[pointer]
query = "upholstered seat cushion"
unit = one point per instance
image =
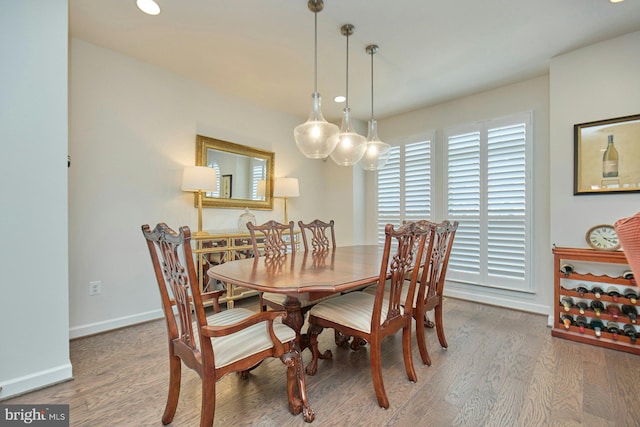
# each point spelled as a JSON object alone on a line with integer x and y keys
{"x": 353, "y": 310}
{"x": 246, "y": 342}
{"x": 279, "y": 299}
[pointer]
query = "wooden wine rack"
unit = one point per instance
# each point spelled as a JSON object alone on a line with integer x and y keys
{"x": 566, "y": 255}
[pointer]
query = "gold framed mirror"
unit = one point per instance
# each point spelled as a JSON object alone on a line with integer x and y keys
{"x": 244, "y": 174}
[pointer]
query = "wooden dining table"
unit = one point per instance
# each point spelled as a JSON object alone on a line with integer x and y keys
{"x": 305, "y": 274}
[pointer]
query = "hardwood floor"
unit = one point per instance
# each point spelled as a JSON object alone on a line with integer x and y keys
{"x": 502, "y": 368}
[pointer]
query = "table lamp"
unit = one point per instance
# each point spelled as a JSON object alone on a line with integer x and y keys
{"x": 284, "y": 188}
{"x": 199, "y": 179}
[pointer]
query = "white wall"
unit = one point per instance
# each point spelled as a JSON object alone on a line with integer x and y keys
{"x": 531, "y": 95}
{"x": 34, "y": 306}
{"x": 133, "y": 128}
{"x": 598, "y": 82}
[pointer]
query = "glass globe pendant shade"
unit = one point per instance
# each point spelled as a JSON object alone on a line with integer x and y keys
{"x": 377, "y": 153}
{"x": 350, "y": 145}
{"x": 316, "y": 137}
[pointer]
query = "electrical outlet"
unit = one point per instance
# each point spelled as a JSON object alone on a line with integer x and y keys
{"x": 95, "y": 288}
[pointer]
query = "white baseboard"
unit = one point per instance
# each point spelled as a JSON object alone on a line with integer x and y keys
{"x": 37, "y": 380}
{"x": 108, "y": 325}
{"x": 498, "y": 300}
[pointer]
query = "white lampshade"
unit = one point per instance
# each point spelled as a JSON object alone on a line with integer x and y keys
{"x": 199, "y": 178}
{"x": 286, "y": 187}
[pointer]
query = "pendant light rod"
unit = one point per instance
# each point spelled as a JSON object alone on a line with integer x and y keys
{"x": 347, "y": 30}
{"x": 315, "y": 6}
{"x": 371, "y": 50}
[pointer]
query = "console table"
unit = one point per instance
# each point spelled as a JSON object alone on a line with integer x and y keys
{"x": 219, "y": 246}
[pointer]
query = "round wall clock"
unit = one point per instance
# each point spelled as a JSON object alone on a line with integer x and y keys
{"x": 603, "y": 237}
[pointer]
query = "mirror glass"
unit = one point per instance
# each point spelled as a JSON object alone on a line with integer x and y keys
{"x": 244, "y": 174}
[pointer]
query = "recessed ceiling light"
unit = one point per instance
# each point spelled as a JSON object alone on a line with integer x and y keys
{"x": 149, "y": 7}
{"x": 339, "y": 98}
{"x": 616, "y": 1}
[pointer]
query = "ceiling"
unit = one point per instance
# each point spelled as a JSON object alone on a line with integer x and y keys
{"x": 430, "y": 51}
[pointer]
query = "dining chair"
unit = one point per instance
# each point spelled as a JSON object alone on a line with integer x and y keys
{"x": 233, "y": 340}
{"x": 429, "y": 295}
{"x": 275, "y": 245}
{"x": 430, "y": 287}
{"x": 372, "y": 318}
{"x": 318, "y": 235}
{"x": 274, "y": 242}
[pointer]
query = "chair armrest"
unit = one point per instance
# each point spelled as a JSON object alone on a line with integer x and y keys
{"x": 213, "y": 294}
{"x": 220, "y": 331}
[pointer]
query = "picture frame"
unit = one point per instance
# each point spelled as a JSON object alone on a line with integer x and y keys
{"x": 607, "y": 156}
{"x": 226, "y": 188}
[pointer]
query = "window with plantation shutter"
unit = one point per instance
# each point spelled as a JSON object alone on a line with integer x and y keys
{"x": 488, "y": 193}
{"x": 404, "y": 186}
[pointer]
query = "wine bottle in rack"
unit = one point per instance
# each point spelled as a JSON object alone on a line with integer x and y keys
{"x": 582, "y": 289}
{"x": 630, "y": 311}
{"x": 582, "y": 306}
{"x": 581, "y": 322}
{"x": 567, "y": 320}
{"x": 630, "y": 331}
{"x": 614, "y": 293}
{"x": 566, "y": 269}
{"x": 614, "y": 329}
{"x": 597, "y": 307}
{"x": 613, "y": 310}
{"x": 628, "y": 274}
{"x": 567, "y": 303}
{"x": 597, "y": 326}
{"x": 631, "y": 294}
{"x": 597, "y": 291}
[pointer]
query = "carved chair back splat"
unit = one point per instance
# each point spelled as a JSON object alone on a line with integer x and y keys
{"x": 318, "y": 231}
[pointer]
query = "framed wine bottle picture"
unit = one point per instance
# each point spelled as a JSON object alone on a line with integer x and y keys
{"x": 607, "y": 156}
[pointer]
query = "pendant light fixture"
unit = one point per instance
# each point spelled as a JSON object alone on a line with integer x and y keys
{"x": 314, "y": 137}
{"x": 377, "y": 152}
{"x": 350, "y": 146}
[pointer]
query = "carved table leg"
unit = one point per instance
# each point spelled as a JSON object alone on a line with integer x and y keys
{"x": 294, "y": 320}
{"x": 312, "y": 333}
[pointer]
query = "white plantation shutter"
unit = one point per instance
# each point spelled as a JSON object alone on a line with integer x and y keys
{"x": 389, "y": 193}
{"x": 487, "y": 192}
{"x": 463, "y": 192}
{"x": 417, "y": 181}
{"x": 404, "y": 186}
{"x": 258, "y": 172}
{"x": 506, "y": 201}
